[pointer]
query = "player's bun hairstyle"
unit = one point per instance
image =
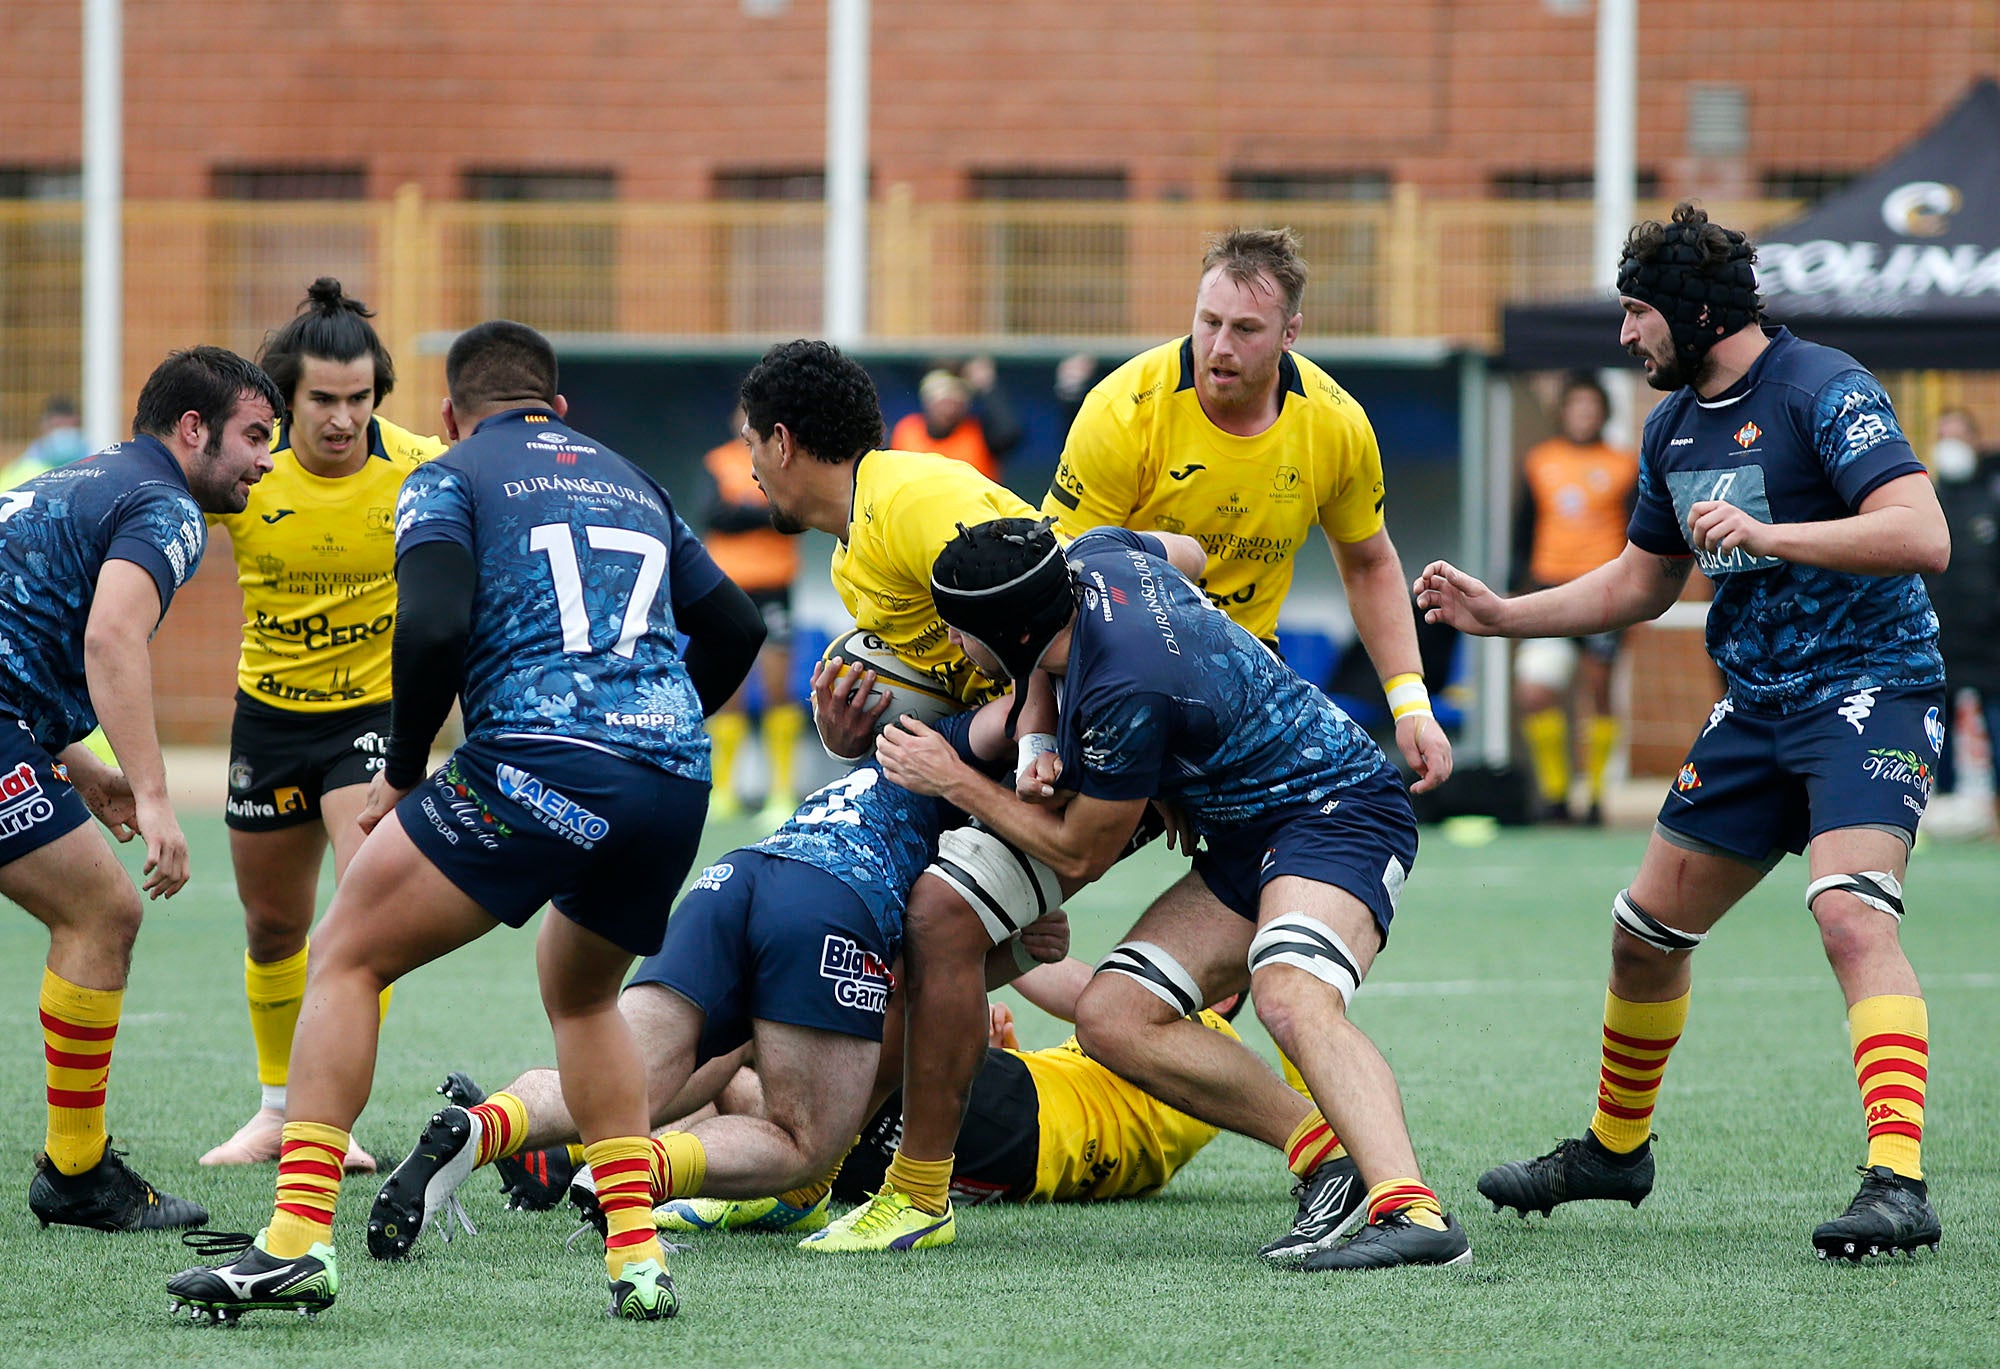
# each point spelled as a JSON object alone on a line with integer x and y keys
{"x": 1245, "y": 253}
{"x": 1700, "y": 276}
{"x": 210, "y": 382}
{"x": 499, "y": 362}
{"x": 820, "y": 394}
{"x": 1005, "y": 584}
{"x": 330, "y": 325}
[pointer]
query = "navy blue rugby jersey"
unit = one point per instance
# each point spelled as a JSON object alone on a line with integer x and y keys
{"x": 1166, "y": 697}
{"x": 1804, "y": 437}
{"x": 873, "y": 836}
{"x": 129, "y": 502}
{"x": 582, "y": 562}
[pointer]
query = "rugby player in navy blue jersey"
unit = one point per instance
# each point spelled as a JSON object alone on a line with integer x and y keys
{"x": 90, "y": 556}
{"x": 1778, "y": 467}
{"x": 542, "y": 579}
{"x": 786, "y": 944}
{"x": 1306, "y": 841}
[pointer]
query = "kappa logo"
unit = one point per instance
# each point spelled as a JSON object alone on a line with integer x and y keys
{"x": 22, "y": 801}
{"x": 1722, "y": 709}
{"x": 860, "y": 979}
{"x": 1857, "y": 706}
{"x": 1747, "y": 434}
{"x": 1681, "y": 442}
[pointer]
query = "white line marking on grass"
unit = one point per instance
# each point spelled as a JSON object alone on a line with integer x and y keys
{"x": 1465, "y": 988}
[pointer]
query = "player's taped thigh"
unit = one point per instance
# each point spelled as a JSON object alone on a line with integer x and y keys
{"x": 1305, "y": 943}
{"x": 1879, "y": 889}
{"x": 1636, "y": 921}
{"x": 1157, "y": 972}
{"x": 1006, "y": 887}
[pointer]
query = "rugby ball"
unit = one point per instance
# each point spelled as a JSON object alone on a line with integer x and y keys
{"x": 911, "y": 691}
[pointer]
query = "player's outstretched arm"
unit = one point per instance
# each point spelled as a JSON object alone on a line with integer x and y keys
{"x": 123, "y": 614}
{"x": 1055, "y": 988}
{"x": 1633, "y": 588}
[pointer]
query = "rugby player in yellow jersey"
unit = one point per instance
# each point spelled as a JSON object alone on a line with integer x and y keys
{"x": 1042, "y": 1126}
{"x": 1231, "y": 437}
{"x": 315, "y": 555}
{"x": 813, "y": 423}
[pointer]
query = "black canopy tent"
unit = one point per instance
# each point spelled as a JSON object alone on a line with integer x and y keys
{"x": 1901, "y": 269}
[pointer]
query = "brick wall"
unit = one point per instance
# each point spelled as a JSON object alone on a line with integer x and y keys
{"x": 1176, "y": 92}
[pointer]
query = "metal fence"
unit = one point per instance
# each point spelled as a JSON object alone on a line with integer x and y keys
{"x": 226, "y": 272}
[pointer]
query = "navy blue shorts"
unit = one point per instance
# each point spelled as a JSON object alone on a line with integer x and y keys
{"x": 1362, "y": 840}
{"x": 37, "y": 804}
{"x": 516, "y": 823}
{"x": 1756, "y": 785}
{"x": 760, "y": 936}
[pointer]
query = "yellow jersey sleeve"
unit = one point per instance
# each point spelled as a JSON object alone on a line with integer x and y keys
{"x": 1102, "y": 1137}
{"x": 1096, "y": 483}
{"x": 316, "y": 560}
{"x": 907, "y": 505}
{"x": 1352, "y": 511}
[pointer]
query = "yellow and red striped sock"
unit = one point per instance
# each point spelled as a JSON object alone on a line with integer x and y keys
{"x": 1411, "y": 1197}
{"x": 622, "y": 1167}
{"x": 679, "y": 1164}
{"x": 1638, "y": 1037}
{"x": 79, "y": 1027}
{"x": 1312, "y": 1144}
{"x": 503, "y": 1126}
{"x": 1891, "y": 1034}
{"x": 309, "y": 1160}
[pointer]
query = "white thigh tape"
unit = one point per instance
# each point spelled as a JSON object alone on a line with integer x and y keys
{"x": 1007, "y": 888}
{"x": 1649, "y": 929}
{"x": 1158, "y": 972}
{"x": 1878, "y": 889}
{"x": 1306, "y": 944}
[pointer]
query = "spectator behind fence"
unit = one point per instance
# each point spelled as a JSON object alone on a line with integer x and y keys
{"x": 1577, "y": 495}
{"x": 1964, "y": 594}
{"x": 60, "y": 443}
{"x": 737, "y": 532}
{"x": 965, "y": 415}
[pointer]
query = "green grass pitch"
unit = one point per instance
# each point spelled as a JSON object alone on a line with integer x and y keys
{"x": 1486, "y": 1003}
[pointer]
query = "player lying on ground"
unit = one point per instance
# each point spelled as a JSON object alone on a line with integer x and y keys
{"x": 786, "y": 944}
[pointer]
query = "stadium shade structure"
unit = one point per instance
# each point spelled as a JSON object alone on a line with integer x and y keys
{"x": 1901, "y": 269}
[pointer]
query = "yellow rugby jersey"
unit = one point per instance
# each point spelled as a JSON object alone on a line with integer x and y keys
{"x": 1143, "y": 455}
{"x": 317, "y": 562}
{"x": 907, "y": 505}
{"x": 1101, "y": 1136}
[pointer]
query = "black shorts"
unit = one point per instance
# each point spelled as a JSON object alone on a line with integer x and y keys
{"x": 282, "y": 761}
{"x": 999, "y": 1144}
{"x": 775, "y": 606}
